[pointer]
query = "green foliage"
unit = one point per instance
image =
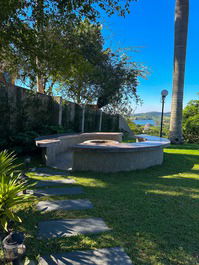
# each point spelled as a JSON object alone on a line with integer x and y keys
{"x": 106, "y": 78}
{"x": 191, "y": 109}
{"x": 52, "y": 42}
{"x": 23, "y": 142}
{"x": 152, "y": 130}
{"x": 118, "y": 80}
{"x": 191, "y": 122}
{"x": 155, "y": 131}
{"x": 30, "y": 117}
{"x": 78, "y": 84}
{"x": 11, "y": 189}
{"x": 7, "y": 163}
{"x": 136, "y": 129}
{"x": 42, "y": 42}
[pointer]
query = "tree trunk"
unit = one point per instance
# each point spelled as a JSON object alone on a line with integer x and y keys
{"x": 181, "y": 30}
{"x": 8, "y": 78}
{"x": 39, "y": 28}
{"x": 39, "y": 79}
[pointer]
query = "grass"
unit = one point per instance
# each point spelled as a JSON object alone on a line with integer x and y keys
{"x": 153, "y": 213}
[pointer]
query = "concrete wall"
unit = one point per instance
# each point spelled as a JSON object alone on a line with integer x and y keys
{"x": 116, "y": 161}
{"x": 54, "y": 146}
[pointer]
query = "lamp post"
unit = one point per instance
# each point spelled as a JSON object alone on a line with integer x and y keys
{"x": 164, "y": 93}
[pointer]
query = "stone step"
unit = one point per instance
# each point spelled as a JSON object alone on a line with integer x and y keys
{"x": 105, "y": 256}
{"x": 58, "y": 191}
{"x": 44, "y": 171}
{"x": 64, "y": 205}
{"x": 71, "y": 227}
{"x": 57, "y": 182}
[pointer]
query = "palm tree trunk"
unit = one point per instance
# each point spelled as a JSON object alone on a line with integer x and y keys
{"x": 181, "y": 30}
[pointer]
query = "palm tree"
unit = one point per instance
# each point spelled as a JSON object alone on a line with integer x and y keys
{"x": 181, "y": 30}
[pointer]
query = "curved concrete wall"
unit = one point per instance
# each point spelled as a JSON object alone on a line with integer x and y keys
{"x": 147, "y": 152}
{"x": 54, "y": 145}
{"x": 116, "y": 161}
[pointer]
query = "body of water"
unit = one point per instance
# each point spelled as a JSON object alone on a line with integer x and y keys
{"x": 144, "y": 122}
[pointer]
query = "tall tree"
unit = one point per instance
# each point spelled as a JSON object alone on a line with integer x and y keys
{"x": 39, "y": 26}
{"x": 106, "y": 78}
{"x": 26, "y": 19}
{"x": 181, "y": 29}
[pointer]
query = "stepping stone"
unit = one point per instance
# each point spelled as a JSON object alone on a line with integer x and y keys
{"x": 57, "y": 182}
{"x": 104, "y": 256}
{"x": 58, "y": 191}
{"x": 64, "y": 205}
{"x": 47, "y": 172}
{"x": 71, "y": 227}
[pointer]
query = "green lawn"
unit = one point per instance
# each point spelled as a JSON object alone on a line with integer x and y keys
{"x": 153, "y": 213}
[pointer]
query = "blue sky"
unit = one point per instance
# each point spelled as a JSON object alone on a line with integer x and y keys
{"x": 150, "y": 29}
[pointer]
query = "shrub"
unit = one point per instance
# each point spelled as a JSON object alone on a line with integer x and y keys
{"x": 152, "y": 130}
{"x": 191, "y": 122}
{"x": 191, "y": 129}
{"x": 136, "y": 129}
{"x": 11, "y": 189}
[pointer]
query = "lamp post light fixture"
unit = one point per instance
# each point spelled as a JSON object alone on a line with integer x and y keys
{"x": 164, "y": 93}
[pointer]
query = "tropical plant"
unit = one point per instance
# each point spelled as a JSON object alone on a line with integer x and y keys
{"x": 7, "y": 163}
{"x": 11, "y": 189}
{"x": 181, "y": 29}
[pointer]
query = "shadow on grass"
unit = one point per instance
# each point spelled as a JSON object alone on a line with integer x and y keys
{"x": 173, "y": 164}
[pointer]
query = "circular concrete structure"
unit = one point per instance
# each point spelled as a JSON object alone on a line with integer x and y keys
{"x": 112, "y": 156}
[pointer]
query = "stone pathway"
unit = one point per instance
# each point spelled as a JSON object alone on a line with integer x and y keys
{"x": 58, "y": 191}
{"x": 72, "y": 227}
{"x": 64, "y": 205}
{"x": 105, "y": 256}
{"x": 47, "y": 172}
{"x": 57, "y": 182}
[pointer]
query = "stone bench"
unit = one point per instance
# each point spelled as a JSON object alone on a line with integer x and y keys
{"x": 116, "y": 157}
{"x": 54, "y": 145}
